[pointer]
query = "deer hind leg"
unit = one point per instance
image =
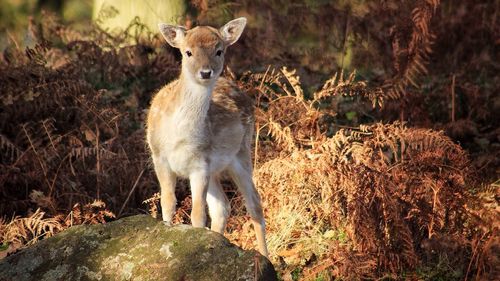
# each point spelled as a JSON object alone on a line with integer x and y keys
{"x": 240, "y": 170}
{"x": 167, "y": 181}
{"x": 199, "y": 187}
{"x": 218, "y": 205}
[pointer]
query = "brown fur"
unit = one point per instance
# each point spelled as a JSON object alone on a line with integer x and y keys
{"x": 203, "y": 37}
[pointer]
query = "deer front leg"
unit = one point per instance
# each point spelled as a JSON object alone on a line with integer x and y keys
{"x": 167, "y": 181}
{"x": 199, "y": 187}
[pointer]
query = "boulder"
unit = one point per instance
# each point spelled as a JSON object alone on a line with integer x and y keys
{"x": 136, "y": 248}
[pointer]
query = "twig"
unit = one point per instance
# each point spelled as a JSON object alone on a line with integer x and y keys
{"x": 346, "y": 29}
{"x": 51, "y": 188}
{"x": 49, "y": 135}
{"x": 256, "y": 266}
{"x": 264, "y": 77}
{"x": 130, "y": 193}
{"x": 98, "y": 163}
{"x": 37, "y": 156}
{"x": 453, "y": 98}
{"x": 11, "y": 37}
{"x": 256, "y": 149}
{"x": 474, "y": 252}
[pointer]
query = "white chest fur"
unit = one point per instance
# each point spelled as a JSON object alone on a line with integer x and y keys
{"x": 185, "y": 132}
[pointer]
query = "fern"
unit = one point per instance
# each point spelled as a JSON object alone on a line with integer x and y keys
{"x": 91, "y": 213}
{"x": 388, "y": 187}
{"x": 411, "y": 57}
{"x": 9, "y": 149}
{"x": 28, "y": 230}
{"x": 153, "y": 202}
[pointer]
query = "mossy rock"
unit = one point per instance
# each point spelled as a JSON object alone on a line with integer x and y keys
{"x": 136, "y": 248}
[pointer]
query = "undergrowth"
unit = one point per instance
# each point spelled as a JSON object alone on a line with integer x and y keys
{"x": 342, "y": 200}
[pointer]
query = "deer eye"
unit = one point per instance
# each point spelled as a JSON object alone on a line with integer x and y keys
{"x": 188, "y": 53}
{"x": 219, "y": 53}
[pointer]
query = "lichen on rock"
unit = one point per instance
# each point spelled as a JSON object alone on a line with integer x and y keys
{"x": 136, "y": 248}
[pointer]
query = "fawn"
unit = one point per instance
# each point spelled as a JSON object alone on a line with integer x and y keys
{"x": 200, "y": 126}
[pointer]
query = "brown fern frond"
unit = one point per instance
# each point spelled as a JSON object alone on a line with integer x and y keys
{"x": 411, "y": 53}
{"x": 8, "y": 149}
{"x": 348, "y": 86}
{"x": 283, "y": 112}
{"x": 85, "y": 152}
{"x": 28, "y": 230}
{"x": 294, "y": 81}
{"x": 281, "y": 135}
{"x": 339, "y": 85}
{"x": 153, "y": 202}
{"x": 386, "y": 186}
{"x": 91, "y": 213}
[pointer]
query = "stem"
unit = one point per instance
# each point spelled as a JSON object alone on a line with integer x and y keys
{"x": 453, "y": 98}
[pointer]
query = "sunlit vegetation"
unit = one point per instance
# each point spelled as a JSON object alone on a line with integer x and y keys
{"x": 377, "y": 136}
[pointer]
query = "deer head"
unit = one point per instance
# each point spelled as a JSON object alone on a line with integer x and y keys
{"x": 203, "y": 48}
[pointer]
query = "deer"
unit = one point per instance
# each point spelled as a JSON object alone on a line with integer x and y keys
{"x": 201, "y": 126}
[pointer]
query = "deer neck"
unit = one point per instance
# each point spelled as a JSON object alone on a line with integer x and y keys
{"x": 194, "y": 104}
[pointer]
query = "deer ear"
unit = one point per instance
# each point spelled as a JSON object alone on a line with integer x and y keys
{"x": 173, "y": 34}
{"x": 232, "y": 30}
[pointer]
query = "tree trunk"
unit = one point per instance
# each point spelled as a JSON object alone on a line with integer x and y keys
{"x": 118, "y": 14}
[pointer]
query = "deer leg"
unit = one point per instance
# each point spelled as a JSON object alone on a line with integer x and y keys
{"x": 241, "y": 173}
{"x": 218, "y": 205}
{"x": 199, "y": 187}
{"x": 167, "y": 181}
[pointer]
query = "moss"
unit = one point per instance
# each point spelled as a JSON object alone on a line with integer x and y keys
{"x": 57, "y": 273}
{"x": 136, "y": 248}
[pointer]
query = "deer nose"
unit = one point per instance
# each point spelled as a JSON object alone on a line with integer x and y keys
{"x": 205, "y": 74}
